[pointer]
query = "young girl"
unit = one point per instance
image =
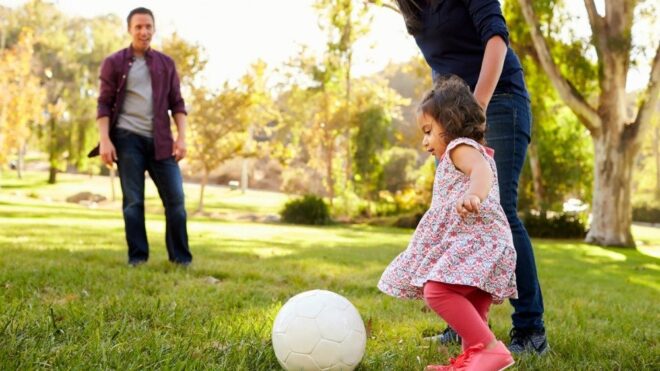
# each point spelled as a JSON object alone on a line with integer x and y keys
{"x": 461, "y": 257}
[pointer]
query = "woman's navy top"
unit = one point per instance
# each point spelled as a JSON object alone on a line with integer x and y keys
{"x": 453, "y": 39}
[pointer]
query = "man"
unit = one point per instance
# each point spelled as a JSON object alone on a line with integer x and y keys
{"x": 138, "y": 87}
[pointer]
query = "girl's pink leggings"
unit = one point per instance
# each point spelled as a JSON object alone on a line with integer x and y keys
{"x": 464, "y": 308}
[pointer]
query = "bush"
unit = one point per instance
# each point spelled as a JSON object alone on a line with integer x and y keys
{"x": 307, "y": 210}
{"x": 647, "y": 214}
{"x": 398, "y": 168}
{"x": 409, "y": 221}
{"x": 562, "y": 225}
{"x": 300, "y": 181}
{"x": 347, "y": 204}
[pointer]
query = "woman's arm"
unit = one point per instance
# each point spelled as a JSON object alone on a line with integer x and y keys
{"x": 491, "y": 27}
{"x": 491, "y": 69}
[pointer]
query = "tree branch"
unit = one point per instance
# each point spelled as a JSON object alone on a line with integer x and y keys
{"x": 650, "y": 99}
{"x": 597, "y": 28}
{"x": 566, "y": 90}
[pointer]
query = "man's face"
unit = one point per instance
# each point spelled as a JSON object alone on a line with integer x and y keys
{"x": 141, "y": 29}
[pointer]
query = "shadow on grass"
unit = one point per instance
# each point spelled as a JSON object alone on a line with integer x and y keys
{"x": 610, "y": 265}
{"x": 24, "y": 184}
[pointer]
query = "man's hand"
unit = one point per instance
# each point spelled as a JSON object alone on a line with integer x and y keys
{"x": 107, "y": 151}
{"x": 179, "y": 150}
{"x": 469, "y": 203}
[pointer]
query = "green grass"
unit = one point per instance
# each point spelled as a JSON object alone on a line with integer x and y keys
{"x": 68, "y": 300}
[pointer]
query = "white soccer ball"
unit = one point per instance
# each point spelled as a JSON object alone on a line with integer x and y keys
{"x": 319, "y": 330}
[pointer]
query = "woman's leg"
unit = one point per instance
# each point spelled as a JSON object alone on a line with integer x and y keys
{"x": 508, "y": 120}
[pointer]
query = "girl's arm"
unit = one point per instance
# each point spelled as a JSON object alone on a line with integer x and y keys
{"x": 491, "y": 69}
{"x": 472, "y": 163}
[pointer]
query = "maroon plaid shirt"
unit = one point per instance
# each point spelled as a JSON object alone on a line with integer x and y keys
{"x": 166, "y": 93}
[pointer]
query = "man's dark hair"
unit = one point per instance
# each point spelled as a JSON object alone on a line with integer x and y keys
{"x": 139, "y": 10}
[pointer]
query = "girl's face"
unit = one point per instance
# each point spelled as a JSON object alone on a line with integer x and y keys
{"x": 434, "y": 136}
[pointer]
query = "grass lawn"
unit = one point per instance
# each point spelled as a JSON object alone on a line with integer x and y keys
{"x": 69, "y": 301}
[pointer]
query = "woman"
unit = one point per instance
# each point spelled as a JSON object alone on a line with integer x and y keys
{"x": 469, "y": 38}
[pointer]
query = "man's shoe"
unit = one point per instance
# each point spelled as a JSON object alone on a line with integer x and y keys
{"x": 136, "y": 263}
{"x": 447, "y": 336}
{"x": 528, "y": 340}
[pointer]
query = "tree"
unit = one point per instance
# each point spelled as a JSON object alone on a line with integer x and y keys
{"x": 347, "y": 21}
{"x": 22, "y": 101}
{"x": 93, "y": 39}
{"x": 57, "y": 69}
{"x": 190, "y": 60}
{"x": 560, "y": 162}
{"x": 399, "y": 166}
{"x": 371, "y": 138}
{"x": 218, "y": 124}
{"x": 68, "y": 53}
{"x": 376, "y": 105}
{"x": 615, "y": 135}
{"x": 410, "y": 80}
{"x": 646, "y": 187}
{"x": 324, "y": 100}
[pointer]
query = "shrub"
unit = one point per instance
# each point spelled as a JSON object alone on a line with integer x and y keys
{"x": 307, "y": 210}
{"x": 563, "y": 225}
{"x": 647, "y": 214}
{"x": 347, "y": 204}
{"x": 398, "y": 168}
{"x": 301, "y": 180}
{"x": 409, "y": 221}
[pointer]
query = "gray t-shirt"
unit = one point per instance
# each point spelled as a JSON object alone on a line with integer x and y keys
{"x": 137, "y": 112}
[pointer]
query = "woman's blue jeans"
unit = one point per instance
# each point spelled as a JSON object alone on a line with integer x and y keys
{"x": 135, "y": 156}
{"x": 508, "y": 132}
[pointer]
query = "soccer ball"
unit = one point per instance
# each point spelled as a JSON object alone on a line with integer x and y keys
{"x": 318, "y": 330}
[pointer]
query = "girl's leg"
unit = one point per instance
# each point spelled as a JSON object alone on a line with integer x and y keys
{"x": 452, "y": 304}
{"x": 481, "y": 301}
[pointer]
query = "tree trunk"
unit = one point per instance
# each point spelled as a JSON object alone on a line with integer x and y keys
{"x": 656, "y": 153}
{"x": 202, "y": 187}
{"x": 349, "y": 155}
{"x": 52, "y": 156}
{"x": 329, "y": 157}
{"x": 244, "y": 175}
{"x": 537, "y": 183}
{"x": 20, "y": 161}
{"x": 113, "y": 194}
{"x": 611, "y": 206}
{"x": 616, "y": 138}
{"x": 52, "y": 175}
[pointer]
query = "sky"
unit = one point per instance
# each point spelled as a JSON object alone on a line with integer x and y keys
{"x": 235, "y": 34}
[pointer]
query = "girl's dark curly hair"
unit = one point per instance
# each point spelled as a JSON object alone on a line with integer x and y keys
{"x": 452, "y": 104}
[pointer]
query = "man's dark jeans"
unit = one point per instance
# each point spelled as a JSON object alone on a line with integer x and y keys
{"x": 509, "y": 129}
{"x": 135, "y": 156}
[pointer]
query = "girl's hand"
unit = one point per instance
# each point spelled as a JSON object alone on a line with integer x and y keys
{"x": 469, "y": 203}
